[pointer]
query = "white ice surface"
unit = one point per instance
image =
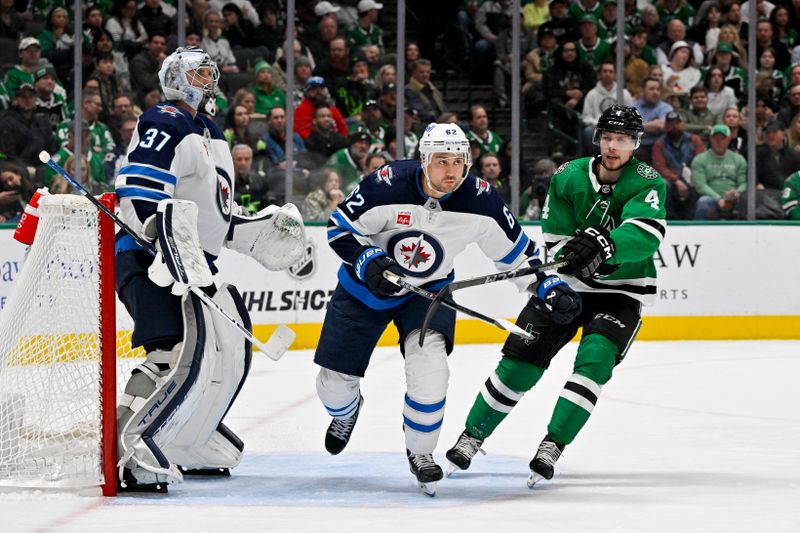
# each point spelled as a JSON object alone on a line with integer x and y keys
{"x": 687, "y": 437}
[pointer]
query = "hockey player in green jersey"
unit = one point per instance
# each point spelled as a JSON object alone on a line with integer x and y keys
{"x": 606, "y": 215}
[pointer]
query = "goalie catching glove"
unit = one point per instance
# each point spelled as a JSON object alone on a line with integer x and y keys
{"x": 586, "y": 251}
{"x": 179, "y": 260}
{"x": 369, "y": 265}
{"x": 555, "y": 296}
{"x": 275, "y": 236}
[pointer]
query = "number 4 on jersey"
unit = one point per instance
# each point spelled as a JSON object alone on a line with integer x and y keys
{"x": 652, "y": 199}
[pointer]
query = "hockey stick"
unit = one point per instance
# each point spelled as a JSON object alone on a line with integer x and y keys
{"x": 481, "y": 280}
{"x": 499, "y": 322}
{"x": 281, "y": 338}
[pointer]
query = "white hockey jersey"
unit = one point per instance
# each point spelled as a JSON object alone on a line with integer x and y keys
{"x": 390, "y": 210}
{"x": 173, "y": 155}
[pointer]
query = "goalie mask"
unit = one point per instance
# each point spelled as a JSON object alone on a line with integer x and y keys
{"x": 444, "y": 139}
{"x": 181, "y": 77}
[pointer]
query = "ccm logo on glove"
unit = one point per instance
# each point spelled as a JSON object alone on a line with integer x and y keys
{"x": 607, "y": 247}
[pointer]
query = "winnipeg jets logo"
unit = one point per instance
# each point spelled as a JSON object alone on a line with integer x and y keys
{"x": 224, "y": 196}
{"x": 419, "y": 254}
{"x": 415, "y": 253}
{"x": 384, "y": 174}
{"x": 224, "y": 193}
{"x": 169, "y": 110}
{"x": 482, "y": 186}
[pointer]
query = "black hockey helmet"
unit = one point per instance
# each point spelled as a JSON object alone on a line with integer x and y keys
{"x": 620, "y": 119}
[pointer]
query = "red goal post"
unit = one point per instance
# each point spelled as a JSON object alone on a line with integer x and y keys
{"x": 63, "y": 354}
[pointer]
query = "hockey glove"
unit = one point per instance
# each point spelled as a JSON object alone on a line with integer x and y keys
{"x": 275, "y": 236}
{"x": 370, "y": 263}
{"x": 553, "y": 294}
{"x": 586, "y": 251}
{"x": 179, "y": 260}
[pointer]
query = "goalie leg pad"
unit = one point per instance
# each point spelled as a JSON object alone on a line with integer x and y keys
{"x": 147, "y": 465}
{"x": 203, "y": 442}
{"x": 275, "y": 236}
{"x": 338, "y": 392}
{"x": 427, "y": 376}
{"x": 152, "y": 421}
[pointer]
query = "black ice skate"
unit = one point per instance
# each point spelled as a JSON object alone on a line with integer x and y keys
{"x": 339, "y": 431}
{"x": 460, "y": 455}
{"x": 128, "y": 483}
{"x": 425, "y": 470}
{"x": 543, "y": 465}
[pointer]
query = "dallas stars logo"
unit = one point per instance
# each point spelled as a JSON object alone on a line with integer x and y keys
{"x": 646, "y": 171}
{"x": 414, "y": 254}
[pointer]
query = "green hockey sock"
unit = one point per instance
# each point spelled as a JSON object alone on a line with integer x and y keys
{"x": 503, "y": 389}
{"x": 593, "y": 366}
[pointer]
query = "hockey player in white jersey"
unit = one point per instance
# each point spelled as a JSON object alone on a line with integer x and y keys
{"x": 410, "y": 218}
{"x": 176, "y": 189}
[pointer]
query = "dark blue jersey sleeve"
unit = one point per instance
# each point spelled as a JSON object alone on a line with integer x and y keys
{"x": 149, "y": 176}
{"x": 394, "y": 183}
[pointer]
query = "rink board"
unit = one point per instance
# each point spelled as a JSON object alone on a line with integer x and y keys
{"x": 715, "y": 282}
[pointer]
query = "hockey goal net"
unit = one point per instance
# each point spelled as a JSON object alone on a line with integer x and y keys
{"x": 59, "y": 359}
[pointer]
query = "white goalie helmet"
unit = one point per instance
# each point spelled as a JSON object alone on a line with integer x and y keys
{"x": 444, "y": 139}
{"x": 177, "y": 74}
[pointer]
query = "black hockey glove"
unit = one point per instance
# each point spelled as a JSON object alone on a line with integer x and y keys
{"x": 554, "y": 295}
{"x": 586, "y": 251}
{"x": 370, "y": 263}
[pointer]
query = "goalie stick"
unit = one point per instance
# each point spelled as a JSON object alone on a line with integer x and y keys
{"x": 278, "y": 342}
{"x": 499, "y": 322}
{"x": 448, "y": 289}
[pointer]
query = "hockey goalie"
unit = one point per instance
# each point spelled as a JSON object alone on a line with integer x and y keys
{"x": 176, "y": 189}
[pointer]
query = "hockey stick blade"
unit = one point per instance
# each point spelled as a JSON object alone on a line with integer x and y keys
{"x": 419, "y": 291}
{"x": 272, "y": 350}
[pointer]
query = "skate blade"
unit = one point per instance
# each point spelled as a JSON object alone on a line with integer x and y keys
{"x": 533, "y": 479}
{"x": 428, "y": 488}
{"x": 450, "y": 469}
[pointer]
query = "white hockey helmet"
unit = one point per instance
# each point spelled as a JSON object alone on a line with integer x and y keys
{"x": 177, "y": 73}
{"x": 444, "y": 139}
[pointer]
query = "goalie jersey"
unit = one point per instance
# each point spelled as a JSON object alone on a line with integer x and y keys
{"x": 632, "y": 210}
{"x": 173, "y": 155}
{"x": 390, "y": 210}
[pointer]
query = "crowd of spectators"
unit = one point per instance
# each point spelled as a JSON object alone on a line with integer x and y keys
{"x": 686, "y": 70}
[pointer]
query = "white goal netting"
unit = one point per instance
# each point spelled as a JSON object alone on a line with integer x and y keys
{"x": 50, "y": 357}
